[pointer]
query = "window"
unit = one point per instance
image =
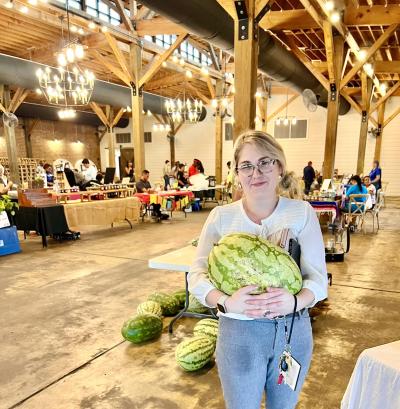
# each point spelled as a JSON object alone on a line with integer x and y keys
{"x": 291, "y": 131}
{"x": 98, "y": 8}
{"x": 228, "y": 132}
{"x": 123, "y": 137}
{"x": 147, "y": 137}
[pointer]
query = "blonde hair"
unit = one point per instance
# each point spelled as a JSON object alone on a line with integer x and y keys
{"x": 288, "y": 185}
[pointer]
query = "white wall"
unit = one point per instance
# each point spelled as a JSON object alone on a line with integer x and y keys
{"x": 197, "y": 141}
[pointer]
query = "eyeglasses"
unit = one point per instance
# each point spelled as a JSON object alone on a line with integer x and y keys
{"x": 263, "y": 166}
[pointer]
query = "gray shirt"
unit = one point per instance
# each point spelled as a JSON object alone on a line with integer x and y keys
{"x": 141, "y": 185}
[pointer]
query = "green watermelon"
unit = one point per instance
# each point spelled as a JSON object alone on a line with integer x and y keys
{"x": 241, "y": 259}
{"x": 149, "y": 307}
{"x": 196, "y": 306}
{"x": 193, "y": 353}
{"x": 142, "y": 328}
{"x": 169, "y": 304}
{"x": 180, "y": 297}
{"x": 207, "y": 327}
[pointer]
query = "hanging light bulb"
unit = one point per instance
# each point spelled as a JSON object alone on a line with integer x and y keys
{"x": 214, "y": 103}
{"x": 285, "y": 122}
{"x": 79, "y": 51}
{"x": 61, "y": 59}
{"x": 70, "y": 55}
{"x": 335, "y": 17}
{"x": 278, "y": 121}
{"x": 329, "y": 6}
{"x": 9, "y": 4}
{"x": 92, "y": 25}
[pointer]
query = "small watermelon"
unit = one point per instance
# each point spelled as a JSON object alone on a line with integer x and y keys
{"x": 194, "y": 353}
{"x": 196, "y": 306}
{"x": 142, "y": 328}
{"x": 207, "y": 327}
{"x": 241, "y": 259}
{"x": 149, "y": 307}
{"x": 180, "y": 297}
{"x": 169, "y": 305}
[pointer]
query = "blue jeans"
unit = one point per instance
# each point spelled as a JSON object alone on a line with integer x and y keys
{"x": 248, "y": 355}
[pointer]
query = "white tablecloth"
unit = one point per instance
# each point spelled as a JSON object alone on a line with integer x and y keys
{"x": 375, "y": 382}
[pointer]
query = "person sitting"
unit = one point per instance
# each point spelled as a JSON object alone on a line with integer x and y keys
{"x": 376, "y": 175}
{"x": 5, "y": 185}
{"x": 49, "y": 174}
{"x": 144, "y": 186}
{"x": 356, "y": 188}
{"x": 193, "y": 169}
{"x": 182, "y": 180}
{"x": 200, "y": 167}
{"x": 371, "y": 190}
{"x": 89, "y": 171}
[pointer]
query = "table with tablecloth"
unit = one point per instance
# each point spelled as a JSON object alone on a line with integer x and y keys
{"x": 375, "y": 382}
{"x": 330, "y": 207}
{"x": 103, "y": 212}
{"x": 46, "y": 220}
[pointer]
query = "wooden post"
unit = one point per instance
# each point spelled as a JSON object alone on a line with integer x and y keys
{"x": 9, "y": 133}
{"x": 366, "y": 89}
{"x": 171, "y": 138}
{"x": 111, "y": 136}
{"x": 137, "y": 108}
{"x": 265, "y": 116}
{"x": 218, "y": 135}
{"x": 333, "y": 108}
{"x": 29, "y": 124}
{"x": 381, "y": 120}
{"x": 246, "y": 59}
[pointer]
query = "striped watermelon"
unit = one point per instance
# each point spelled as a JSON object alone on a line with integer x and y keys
{"x": 193, "y": 353}
{"x": 241, "y": 259}
{"x": 142, "y": 328}
{"x": 169, "y": 305}
{"x": 180, "y": 297}
{"x": 207, "y": 327}
{"x": 196, "y": 306}
{"x": 149, "y": 307}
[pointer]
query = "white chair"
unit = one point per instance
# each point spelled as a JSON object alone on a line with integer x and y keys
{"x": 374, "y": 212}
{"x": 383, "y": 190}
{"x": 357, "y": 210}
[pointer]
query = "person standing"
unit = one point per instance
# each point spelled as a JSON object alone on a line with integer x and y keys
{"x": 308, "y": 176}
{"x": 376, "y": 175}
{"x": 5, "y": 185}
{"x": 129, "y": 171}
{"x": 193, "y": 169}
{"x": 166, "y": 174}
{"x": 252, "y": 335}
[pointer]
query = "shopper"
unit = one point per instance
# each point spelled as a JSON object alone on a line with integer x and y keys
{"x": 376, "y": 175}
{"x": 166, "y": 174}
{"x": 308, "y": 176}
{"x": 252, "y": 331}
{"x": 5, "y": 185}
{"x": 129, "y": 171}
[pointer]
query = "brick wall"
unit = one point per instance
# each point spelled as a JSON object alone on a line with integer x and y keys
{"x": 53, "y": 140}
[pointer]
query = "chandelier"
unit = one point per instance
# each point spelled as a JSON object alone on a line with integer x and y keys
{"x": 67, "y": 86}
{"x": 161, "y": 128}
{"x": 285, "y": 120}
{"x": 186, "y": 109}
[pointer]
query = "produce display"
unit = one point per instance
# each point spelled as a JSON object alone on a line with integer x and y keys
{"x": 241, "y": 259}
{"x": 196, "y": 306}
{"x": 180, "y": 297}
{"x": 168, "y": 303}
{"x": 194, "y": 353}
{"x": 149, "y": 307}
{"x": 207, "y": 327}
{"x": 142, "y": 328}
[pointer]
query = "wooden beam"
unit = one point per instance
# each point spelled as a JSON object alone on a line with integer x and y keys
{"x": 391, "y": 117}
{"x": 158, "y": 25}
{"x": 378, "y": 141}
{"x": 288, "y": 20}
{"x": 282, "y": 107}
{"x": 155, "y": 65}
{"x": 328, "y": 36}
{"x": 366, "y": 88}
{"x": 246, "y": 60}
{"x": 18, "y": 99}
{"x": 333, "y": 109}
{"x": 304, "y": 59}
{"x": 117, "y": 117}
{"x": 165, "y": 82}
{"x": 385, "y": 97}
{"x": 313, "y": 12}
{"x": 29, "y": 125}
{"x": 2, "y": 108}
{"x": 377, "y": 15}
{"x": 210, "y": 87}
{"x": 99, "y": 112}
{"x": 387, "y": 67}
{"x": 200, "y": 95}
{"x": 121, "y": 11}
{"x": 116, "y": 71}
{"x": 219, "y": 88}
{"x": 369, "y": 53}
{"x": 112, "y": 42}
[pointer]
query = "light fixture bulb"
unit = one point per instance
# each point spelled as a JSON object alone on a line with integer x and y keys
{"x": 189, "y": 74}
{"x": 74, "y": 29}
{"x": 164, "y": 64}
{"x": 335, "y": 17}
{"x": 24, "y": 9}
{"x": 81, "y": 32}
{"x": 258, "y": 94}
{"x": 62, "y": 60}
{"x": 79, "y": 52}
{"x": 33, "y": 2}
{"x": 278, "y": 121}
{"x": 182, "y": 62}
{"x": 148, "y": 113}
{"x": 104, "y": 29}
{"x": 92, "y": 25}
{"x": 285, "y": 122}
{"x": 9, "y": 4}
{"x": 214, "y": 103}
{"x": 70, "y": 55}
{"x": 362, "y": 55}
{"x": 329, "y": 6}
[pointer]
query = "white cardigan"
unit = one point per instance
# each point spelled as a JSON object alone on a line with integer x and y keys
{"x": 295, "y": 216}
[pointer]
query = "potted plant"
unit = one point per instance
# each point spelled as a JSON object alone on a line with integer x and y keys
{"x": 6, "y": 205}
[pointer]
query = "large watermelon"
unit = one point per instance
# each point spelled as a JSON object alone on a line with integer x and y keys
{"x": 180, "y": 297}
{"x": 207, "y": 327}
{"x": 195, "y": 306}
{"x": 193, "y": 353}
{"x": 241, "y": 259}
{"x": 142, "y": 328}
{"x": 149, "y": 307}
{"x": 168, "y": 303}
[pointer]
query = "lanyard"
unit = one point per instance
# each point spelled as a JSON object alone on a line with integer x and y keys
{"x": 288, "y": 338}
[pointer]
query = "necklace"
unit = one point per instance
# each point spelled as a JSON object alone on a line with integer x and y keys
{"x": 252, "y": 216}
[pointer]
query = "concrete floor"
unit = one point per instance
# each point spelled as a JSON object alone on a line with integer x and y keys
{"x": 62, "y": 309}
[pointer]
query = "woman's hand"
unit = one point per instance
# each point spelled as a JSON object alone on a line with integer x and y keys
{"x": 238, "y": 301}
{"x": 273, "y": 303}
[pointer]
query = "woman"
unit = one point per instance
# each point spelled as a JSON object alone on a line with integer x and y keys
{"x": 252, "y": 331}
{"x": 376, "y": 175}
{"x": 356, "y": 188}
{"x": 371, "y": 190}
{"x": 5, "y": 185}
{"x": 129, "y": 172}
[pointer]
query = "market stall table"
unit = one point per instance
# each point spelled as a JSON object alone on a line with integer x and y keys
{"x": 179, "y": 260}
{"x": 206, "y": 198}
{"x": 326, "y": 206}
{"x": 375, "y": 382}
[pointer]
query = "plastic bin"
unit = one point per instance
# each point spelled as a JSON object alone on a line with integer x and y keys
{"x": 9, "y": 242}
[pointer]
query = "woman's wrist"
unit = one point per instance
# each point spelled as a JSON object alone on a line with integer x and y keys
{"x": 304, "y": 298}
